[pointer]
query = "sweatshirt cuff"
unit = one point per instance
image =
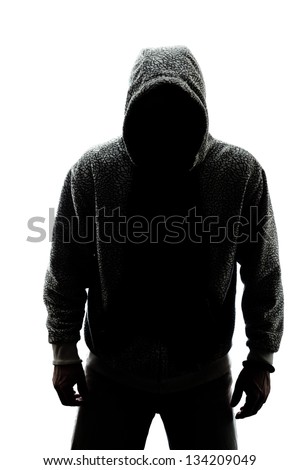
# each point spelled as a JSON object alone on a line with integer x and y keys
{"x": 263, "y": 356}
{"x": 65, "y": 353}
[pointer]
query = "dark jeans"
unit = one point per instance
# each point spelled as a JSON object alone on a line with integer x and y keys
{"x": 117, "y": 416}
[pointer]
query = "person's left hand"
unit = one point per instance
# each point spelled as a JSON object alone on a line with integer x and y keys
{"x": 255, "y": 382}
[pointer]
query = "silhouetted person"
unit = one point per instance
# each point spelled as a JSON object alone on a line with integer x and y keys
{"x": 149, "y": 231}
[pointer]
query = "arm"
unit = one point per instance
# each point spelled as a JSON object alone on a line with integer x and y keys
{"x": 67, "y": 276}
{"x": 262, "y": 300}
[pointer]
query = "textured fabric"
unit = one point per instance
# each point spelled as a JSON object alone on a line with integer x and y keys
{"x": 161, "y": 309}
{"x": 119, "y": 417}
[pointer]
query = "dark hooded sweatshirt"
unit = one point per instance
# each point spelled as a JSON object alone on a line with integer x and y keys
{"x": 149, "y": 231}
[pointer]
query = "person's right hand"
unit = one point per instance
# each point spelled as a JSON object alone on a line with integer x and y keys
{"x": 65, "y": 377}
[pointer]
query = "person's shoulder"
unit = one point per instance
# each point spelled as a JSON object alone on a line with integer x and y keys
{"x": 103, "y": 152}
{"x": 98, "y": 155}
{"x": 234, "y": 156}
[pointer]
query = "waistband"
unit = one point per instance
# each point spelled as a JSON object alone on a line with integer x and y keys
{"x": 206, "y": 373}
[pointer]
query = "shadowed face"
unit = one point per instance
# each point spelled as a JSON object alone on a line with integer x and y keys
{"x": 165, "y": 128}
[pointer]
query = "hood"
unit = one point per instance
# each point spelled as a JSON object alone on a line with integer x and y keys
{"x": 166, "y": 121}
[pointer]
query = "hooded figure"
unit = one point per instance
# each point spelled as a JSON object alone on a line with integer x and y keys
{"x": 149, "y": 230}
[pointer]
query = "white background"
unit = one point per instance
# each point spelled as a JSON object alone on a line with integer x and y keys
{"x": 65, "y": 69}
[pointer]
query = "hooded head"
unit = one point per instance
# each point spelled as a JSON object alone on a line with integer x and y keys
{"x": 166, "y": 122}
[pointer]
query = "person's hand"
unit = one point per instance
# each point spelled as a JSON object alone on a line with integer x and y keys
{"x": 254, "y": 380}
{"x": 65, "y": 377}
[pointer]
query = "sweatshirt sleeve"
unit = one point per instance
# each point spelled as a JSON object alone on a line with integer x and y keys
{"x": 71, "y": 260}
{"x": 258, "y": 256}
